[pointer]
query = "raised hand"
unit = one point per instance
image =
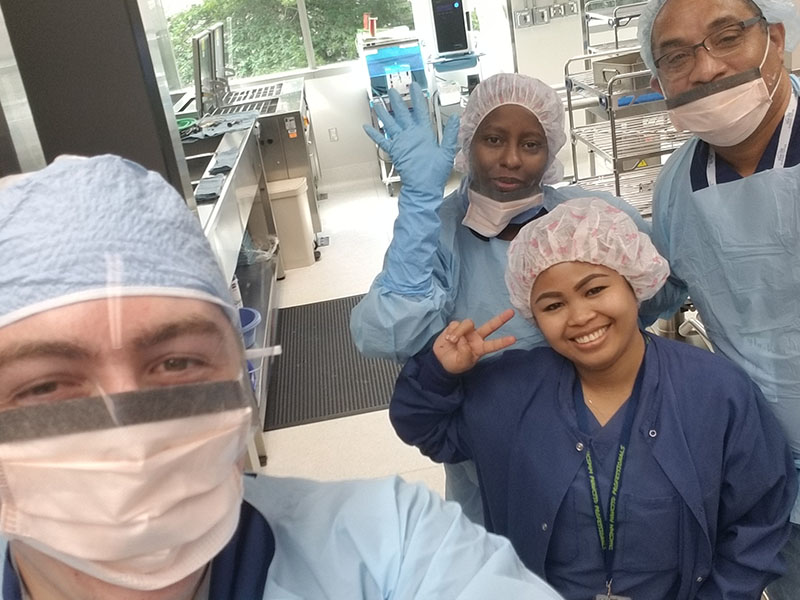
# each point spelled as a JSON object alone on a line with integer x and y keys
{"x": 422, "y": 163}
{"x": 460, "y": 345}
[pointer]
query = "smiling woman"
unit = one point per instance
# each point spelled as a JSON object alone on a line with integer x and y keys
{"x": 618, "y": 463}
{"x": 588, "y": 314}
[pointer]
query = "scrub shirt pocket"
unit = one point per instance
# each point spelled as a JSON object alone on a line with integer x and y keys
{"x": 650, "y": 534}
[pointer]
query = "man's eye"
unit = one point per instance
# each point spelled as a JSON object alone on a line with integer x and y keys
{"x": 49, "y": 391}
{"x": 729, "y": 37}
{"x": 41, "y": 389}
{"x": 179, "y": 364}
{"x": 675, "y": 59}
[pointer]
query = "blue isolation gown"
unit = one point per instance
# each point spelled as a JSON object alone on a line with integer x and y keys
{"x": 375, "y": 540}
{"x": 736, "y": 246}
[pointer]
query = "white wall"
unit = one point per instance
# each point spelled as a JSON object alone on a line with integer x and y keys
{"x": 339, "y": 100}
{"x": 494, "y": 41}
{"x": 543, "y": 50}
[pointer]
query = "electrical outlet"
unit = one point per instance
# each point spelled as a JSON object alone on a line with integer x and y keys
{"x": 523, "y": 18}
{"x": 572, "y": 8}
{"x": 556, "y": 11}
{"x": 333, "y": 134}
{"x": 541, "y": 16}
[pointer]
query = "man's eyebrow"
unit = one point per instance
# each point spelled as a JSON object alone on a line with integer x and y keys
{"x": 678, "y": 42}
{"x": 193, "y": 325}
{"x": 43, "y": 349}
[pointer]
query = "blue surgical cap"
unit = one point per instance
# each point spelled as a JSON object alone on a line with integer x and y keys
{"x": 88, "y": 228}
{"x": 774, "y": 11}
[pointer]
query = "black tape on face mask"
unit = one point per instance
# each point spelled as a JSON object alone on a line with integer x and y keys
{"x": 713, "y": 87}
{"x": 119, "y": 410}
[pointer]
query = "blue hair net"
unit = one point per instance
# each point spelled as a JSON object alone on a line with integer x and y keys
{"x": 775, "y": 11}
{"x": 88, "y": 228}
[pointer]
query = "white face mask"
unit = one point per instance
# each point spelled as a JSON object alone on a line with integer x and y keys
{"x": 726, "y": 112}
{"x": 139, "y": 506}
{"x": 489, "y": 217}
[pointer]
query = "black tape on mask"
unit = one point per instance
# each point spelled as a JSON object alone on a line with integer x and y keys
{"x": 130, "y": 408}
{"x": 713, "y": 87}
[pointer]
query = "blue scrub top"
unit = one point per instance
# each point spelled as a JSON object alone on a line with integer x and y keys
{"x": 707, "y": 490}
{"x": 570, "y": 566}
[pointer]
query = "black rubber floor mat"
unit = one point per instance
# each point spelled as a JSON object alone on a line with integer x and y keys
{"x": 320, "y": 374}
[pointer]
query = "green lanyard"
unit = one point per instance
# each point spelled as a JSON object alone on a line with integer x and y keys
{"x": 607, "y": 525}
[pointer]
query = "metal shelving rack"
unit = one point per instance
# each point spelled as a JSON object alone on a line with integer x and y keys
{"x": 625, "y": 128}
{"x": 636, "y": 187}
{"x": 616, "y": 15}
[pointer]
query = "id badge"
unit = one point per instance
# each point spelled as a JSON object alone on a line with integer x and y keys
{"x": 611, "y": 597}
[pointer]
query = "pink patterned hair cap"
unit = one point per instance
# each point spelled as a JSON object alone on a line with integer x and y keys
{"x": 585, "y": 230}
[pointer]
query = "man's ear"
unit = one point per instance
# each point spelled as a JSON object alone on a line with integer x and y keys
{"x": 777, "y": 35}
{"x": 656, "y": 85}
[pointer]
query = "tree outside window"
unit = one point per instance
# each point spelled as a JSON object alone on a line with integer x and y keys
{"x": 265, "y": 36}
{"x": 334, "y": 24}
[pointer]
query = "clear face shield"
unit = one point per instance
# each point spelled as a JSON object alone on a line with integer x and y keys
{"x": 124, "y": 423}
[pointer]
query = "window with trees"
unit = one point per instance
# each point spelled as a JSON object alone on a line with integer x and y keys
{"x": 266, "y": 36}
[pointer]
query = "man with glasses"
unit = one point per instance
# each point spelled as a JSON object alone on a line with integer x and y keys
{"x": 726, "y": 210}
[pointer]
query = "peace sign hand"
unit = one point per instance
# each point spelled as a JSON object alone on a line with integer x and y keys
{"x": 459, "y": 347}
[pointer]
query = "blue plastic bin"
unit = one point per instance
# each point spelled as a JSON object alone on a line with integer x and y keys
{"x": 249, "y": 318}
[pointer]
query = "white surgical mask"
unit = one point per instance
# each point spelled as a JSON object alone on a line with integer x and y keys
{"x": 139, "y": 506}
{"x": 489, "y": 217}
{"x": 726, "y": 112}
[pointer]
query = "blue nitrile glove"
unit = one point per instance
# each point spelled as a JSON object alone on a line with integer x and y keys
{"x": 422, "y": 163}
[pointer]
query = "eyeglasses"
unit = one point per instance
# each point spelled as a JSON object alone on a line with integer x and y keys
{"x": 720, "y": 43}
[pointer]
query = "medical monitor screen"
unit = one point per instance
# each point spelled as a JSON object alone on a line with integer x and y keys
{"x": 202, "y": 45}
{"x": 450, "y": 26}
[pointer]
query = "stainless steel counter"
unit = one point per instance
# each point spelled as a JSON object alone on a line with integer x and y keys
{"x": 224, "y": 221}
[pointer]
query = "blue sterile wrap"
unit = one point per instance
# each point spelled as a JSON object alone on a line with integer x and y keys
{"x": 224, "y": 161}
{"x": 209, "y": 188}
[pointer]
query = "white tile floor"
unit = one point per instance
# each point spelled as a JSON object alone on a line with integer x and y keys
{"x": 357, "y": 217}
